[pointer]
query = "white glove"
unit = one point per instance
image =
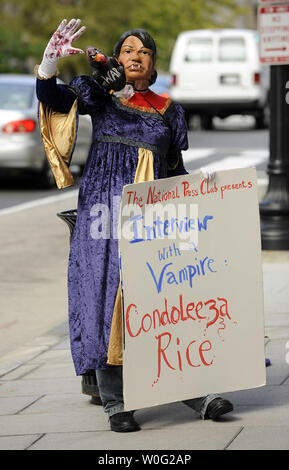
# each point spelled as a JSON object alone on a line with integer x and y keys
{"x": 60, "y": 46}
{"x": 208, "y": 173}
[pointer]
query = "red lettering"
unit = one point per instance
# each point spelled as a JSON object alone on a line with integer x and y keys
{"x": 190, "y": 308}
{"x": 199, "y": 307}
{"x": 201, "y": 187}
{"x": 205, "y": 188}
{"x": 130, "y": 193}
{"x": 229, "y": 187}
{"x": 150, "y": 322}
{"x": 188, "y": 355}
{"x": 222, "y": 191}
{"x": 127, "y": 321}
{"x": 201, "y": 349}
{"x": 225, "y": 306}
{"x": 179, "y": 356}
{"x": 186, "y": 186}
{"x": 161, "y": 351}
{"x": 151, "y": 195}
{"x": 182, "y": 309}
{"x": 204, "y": 347}
{"x": 165, "y": 315}
{"x": 175, "y": 321}
{"x": 212, "y": 307}
{"x": 156, "y": 312}
{"x": 176, "y": 314}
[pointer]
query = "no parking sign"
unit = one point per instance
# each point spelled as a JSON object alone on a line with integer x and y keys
{"x": 273, "y": 25}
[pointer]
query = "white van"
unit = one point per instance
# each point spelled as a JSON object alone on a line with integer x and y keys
{"x": 217, "y": 72}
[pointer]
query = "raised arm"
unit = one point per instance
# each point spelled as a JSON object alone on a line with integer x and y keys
{"x": 58, "y": 97}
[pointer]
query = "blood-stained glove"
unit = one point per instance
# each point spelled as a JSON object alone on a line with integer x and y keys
{"x": 60, "y": 45}
{"x": 208, "y": 173}
{"x": 106, "y": 71}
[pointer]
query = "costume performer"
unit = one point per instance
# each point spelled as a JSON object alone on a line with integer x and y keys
{"x": 137, "y": 136}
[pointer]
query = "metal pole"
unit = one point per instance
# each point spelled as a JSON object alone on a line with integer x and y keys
{"x": 274, "y": 208}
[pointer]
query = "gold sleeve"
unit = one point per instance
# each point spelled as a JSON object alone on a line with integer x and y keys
{"x": 58, "y": 132}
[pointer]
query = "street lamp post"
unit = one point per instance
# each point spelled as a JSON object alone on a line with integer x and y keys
{"x": 274, "y": 208}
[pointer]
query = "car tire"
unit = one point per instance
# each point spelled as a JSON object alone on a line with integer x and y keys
{"x": 261, "y": 121}
{"x": 81, "y": 169}
{"x": 47, "y": 179}
{"x": 207, "y": 122}
{"x": 188, "y": 119}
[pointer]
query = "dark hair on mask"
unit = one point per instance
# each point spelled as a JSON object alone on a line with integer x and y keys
{"x": 144, "y": 37}
{"x": 147, "y": 41}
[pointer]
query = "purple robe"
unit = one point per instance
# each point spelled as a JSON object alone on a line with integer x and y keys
{"x": 118, "y": 133}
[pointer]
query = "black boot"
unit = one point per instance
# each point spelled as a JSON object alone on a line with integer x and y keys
{"x": 218, "y": 407}
{"x": 123, "y": 422}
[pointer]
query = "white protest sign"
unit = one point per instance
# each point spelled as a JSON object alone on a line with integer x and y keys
{"x": 192, "y": 292}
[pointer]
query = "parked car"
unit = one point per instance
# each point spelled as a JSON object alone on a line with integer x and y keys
{"x": 218, "y": 73}
{"x": 21, "y": 148}
{"x": 162, "y": 85}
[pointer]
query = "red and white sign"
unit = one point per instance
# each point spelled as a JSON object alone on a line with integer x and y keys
{"x": 274, "y": 34}
{"x": 273, "y": 1}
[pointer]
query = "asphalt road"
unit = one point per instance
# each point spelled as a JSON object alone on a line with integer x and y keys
{"x": 232, "y": 142}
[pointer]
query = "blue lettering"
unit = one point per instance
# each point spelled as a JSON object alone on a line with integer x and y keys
{"x": 150, "y": 230}
{"x": 188, "y": 273}
{"x": 158, "y": 283}
{"x": 205, "y": 221}
{"x": 159, "y": 229}
{"x": 192, "y": 273}
{"x": 135, "y": 230}
{"x": 211, "y": 260}
{"x": 166, "y": 225}
{"x": 171, "y": 278}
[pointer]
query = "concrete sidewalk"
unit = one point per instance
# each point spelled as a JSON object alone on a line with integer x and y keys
{"x": 42, "y": 408}
{"x": 41, "y": 405}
